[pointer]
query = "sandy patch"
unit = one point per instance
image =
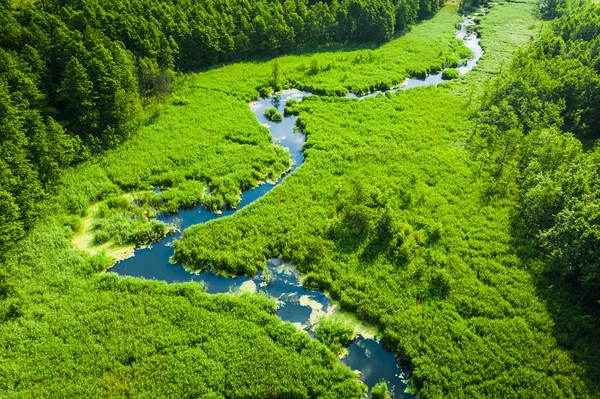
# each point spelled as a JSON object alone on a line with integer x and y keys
{"x": 248, "y": 287}
{"x": 83, "y": 239}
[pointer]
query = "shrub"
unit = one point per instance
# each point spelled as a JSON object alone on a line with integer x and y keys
{"x": 273, "y": 115}
{"x": 101, "y": 262}
{"x": 335, "y": 333}
{"x": 450, "y": 74}
{"x": 417, "y": 73}
{"x": 380, "y": 391}
{"x": 178, "y": 100}
{"x": 265, "y": 91}
{"x": 291, "y": 107}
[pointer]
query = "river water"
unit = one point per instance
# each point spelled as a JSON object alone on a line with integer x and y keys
{"x": 295, "y": 304}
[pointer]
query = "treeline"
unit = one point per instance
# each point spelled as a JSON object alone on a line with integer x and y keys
{"x": 73, "y": 73}
{"x": 538, "y": 125}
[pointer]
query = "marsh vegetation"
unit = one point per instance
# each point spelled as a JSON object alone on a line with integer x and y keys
{"x": 461, "y": 220}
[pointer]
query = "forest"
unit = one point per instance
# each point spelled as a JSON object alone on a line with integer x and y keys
{"x": 462, "y": 220}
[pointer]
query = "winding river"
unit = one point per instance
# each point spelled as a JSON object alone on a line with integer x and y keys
{"x": 295, "y": 304}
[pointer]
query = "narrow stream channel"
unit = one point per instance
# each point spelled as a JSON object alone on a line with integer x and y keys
{"x": 295, "y": 304}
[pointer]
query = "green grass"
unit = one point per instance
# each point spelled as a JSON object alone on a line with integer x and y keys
{"x": 213, "y": 139}
{"x": 429, "y": 46}
{"x": 206, "y": 138}
{"x": 389, "y": 214}
{"x": 69, "y": 331}
{"x": 212, "y": 142}
{"x": 513, "y": 25}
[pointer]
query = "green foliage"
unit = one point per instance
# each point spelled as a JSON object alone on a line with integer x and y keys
{"x": 513, "y": 24}
{"x": 555, "y": 81}
{"x": 336, "y": 70}
{"x": 177, "y": 100}
{"x": 530, "y": 126}
{"x": 397, "y": 227}
{"x": 69, "y": 331}
{"x": 213, "y": 143}
{"x": 449, "y": 74}
{"x": 273, "y": 115}
{"x": 547, "y": 89}
{"x": 334, "y": 332}
{"x": 157, "y": 340}
{"x": 72, "y": 76}
{"x": 380, "y": 391}
{"x": 391, "y": 214}
{"x": 101, "y": 262}
{"x": 125, "y": 230}
{"x": 225, "y": 151}
{"x": 12, "y": 228}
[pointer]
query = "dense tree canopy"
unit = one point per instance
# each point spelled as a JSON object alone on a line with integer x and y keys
{"x": 533, "y": 123}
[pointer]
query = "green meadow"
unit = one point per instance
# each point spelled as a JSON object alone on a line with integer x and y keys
{"x": 205, "y": 138}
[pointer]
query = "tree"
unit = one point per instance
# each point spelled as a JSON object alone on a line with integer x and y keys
{"x": 79, "y": 98}
{"x": 12, "y": 227}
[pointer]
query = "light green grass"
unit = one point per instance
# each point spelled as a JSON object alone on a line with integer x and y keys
{"x": 67, "y": 331}
{"x": 389, "y": 214}
{"x": 205, "y": 136}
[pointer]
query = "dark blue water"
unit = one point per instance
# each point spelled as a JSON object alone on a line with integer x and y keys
{"x": 295, "y": 304}
{"x": 375, "y": 364}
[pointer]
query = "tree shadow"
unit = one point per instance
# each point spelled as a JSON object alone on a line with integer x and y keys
{"x": 576, "y": 324}
{"x": 575, "y": 313}
{"x": 346, "y": 235}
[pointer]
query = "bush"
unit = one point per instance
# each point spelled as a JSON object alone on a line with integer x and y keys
{"x": 291, "y": 107}
{"x": 273, "y": 115}
{"x": 129, "y": 230}
{"x": 380, "y": 391}
{"x": 265, "y": 91}
{"x": 335, "y": 333}
{"x": 417, "y": 73}
{"x": 450, "y": 74}
{"x": 101, "y": 262}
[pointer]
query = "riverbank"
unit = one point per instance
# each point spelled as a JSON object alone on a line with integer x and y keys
{"x": 154, "y": 263}
{"x": 71, "y": 331}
